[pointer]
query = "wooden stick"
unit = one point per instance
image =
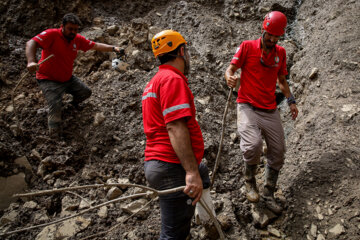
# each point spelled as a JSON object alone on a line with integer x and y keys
{"x": 82, "y": 198}
{"x": 217, "y": 161}
{"x": 57, "y": 190}
{"x": 13, "y": 93}
{"x": 216, "y": 223}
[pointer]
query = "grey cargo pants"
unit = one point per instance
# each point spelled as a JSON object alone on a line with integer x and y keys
{"x": 53, "y": 92}
{"x": 253, "y": 124}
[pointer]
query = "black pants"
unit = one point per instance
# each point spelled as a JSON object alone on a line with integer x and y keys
{"x": 176, "y": 208}
{"x": 53, "y": 92}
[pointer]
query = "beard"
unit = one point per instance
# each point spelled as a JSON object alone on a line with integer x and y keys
{"x": 187, "y": 64}
{"x": 269, "y": 44}
{"x": 69, "y": 36}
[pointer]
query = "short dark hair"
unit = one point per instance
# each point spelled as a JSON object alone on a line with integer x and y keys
{"x": 170, "y": 55}
{"x": 71, "y": 18}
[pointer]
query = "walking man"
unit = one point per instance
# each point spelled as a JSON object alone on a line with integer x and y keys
{"x": 262, "y": 63}
{"x": 55, "y": 76}
{"x": 174, "y": 142}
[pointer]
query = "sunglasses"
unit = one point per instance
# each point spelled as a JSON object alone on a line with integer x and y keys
{"x": 276, "y": 60}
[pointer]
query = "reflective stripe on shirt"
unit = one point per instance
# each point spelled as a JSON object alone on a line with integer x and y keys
{"x": 150, "y": 94}
{"x": 174, "y": 108}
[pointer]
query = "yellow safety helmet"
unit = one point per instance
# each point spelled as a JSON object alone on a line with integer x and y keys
{"x": 166, "y": 41}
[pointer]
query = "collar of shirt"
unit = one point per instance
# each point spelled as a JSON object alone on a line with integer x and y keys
{"x": 177, "y": 71}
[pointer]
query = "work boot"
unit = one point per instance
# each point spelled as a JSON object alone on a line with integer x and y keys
{"x": 55, "y": 133}
{"x": 252, "y": 193}
{"x": 271, "y": 177}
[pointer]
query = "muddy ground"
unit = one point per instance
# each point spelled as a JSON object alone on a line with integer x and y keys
{"x": 319, "y": 184}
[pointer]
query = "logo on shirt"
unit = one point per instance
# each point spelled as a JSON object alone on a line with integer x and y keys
{"x": 277, "y": 59}
{"x": 74, "y": 47}
{"x": 148, "y": 88}
{"x": 43, "y": 33}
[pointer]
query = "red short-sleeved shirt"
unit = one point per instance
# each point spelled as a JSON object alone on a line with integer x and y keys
{"x": 166, "y": 98}
{"x": 59, "y": 68}
{"x": 257, "y": 82}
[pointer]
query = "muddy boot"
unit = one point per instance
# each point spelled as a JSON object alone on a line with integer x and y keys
{"x": 271, "y": 177}
{"x": 55, "y": 133}
{"x": 252, "y": 193}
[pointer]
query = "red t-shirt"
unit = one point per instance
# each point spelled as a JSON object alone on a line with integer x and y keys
{"x": 257, "y": 82}
{"x": 59, "y": 68}
{"x": 166, "y": 98}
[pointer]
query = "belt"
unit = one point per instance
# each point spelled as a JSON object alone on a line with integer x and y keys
{"x": 261, "y": 109}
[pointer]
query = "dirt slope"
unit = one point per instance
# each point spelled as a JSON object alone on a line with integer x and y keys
{"x": 321, "y": 177}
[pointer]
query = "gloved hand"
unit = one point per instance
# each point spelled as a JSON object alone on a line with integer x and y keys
{"x": 201, "y": 215}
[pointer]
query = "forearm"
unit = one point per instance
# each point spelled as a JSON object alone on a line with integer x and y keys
{"x": 284, "y": 86}
{"x": 228, "y": 73}
{"x": 102, "y": 47}
{"x": 30, "y": 51}
{"x": 181, "y": 143}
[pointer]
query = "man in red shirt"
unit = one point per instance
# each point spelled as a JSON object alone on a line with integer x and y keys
{"x": 174, "y": 143}
{"x": 262, "y": 64}
{"x": 55, "y": 76}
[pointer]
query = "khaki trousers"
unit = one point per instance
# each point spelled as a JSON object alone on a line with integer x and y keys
{"x": 253, "y": 125}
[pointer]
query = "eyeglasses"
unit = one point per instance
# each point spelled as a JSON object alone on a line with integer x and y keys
{"x": 276, "y": 60}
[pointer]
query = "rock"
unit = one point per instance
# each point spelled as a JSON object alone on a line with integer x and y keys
{"x": 30, "y": 205}
{"x": 264, "y": 233}
{"x": 41, "y": 216}
{"x": 69, "y": 203}
{"x": 20, "y": 96}
{"x": 111, "y": 30}
{"x": 313, "y": 73}
{"x": 135, "y": 53}
{"x": 318, "y": 209}
{"x": 103, "y": 212}
{"x": 64, "y": 230}
{"x": 41, "y": 170}
{"x": 313, "y": 230}
{"x": 9, "y": 108}
{"x": 348, "y": 107}
{"x": 204, "y": 101}
{"x": 224, "y": 221}
{"x": 84, "y": 204}
{"x": 320, "y": 237}
{"x": 23, "y": 162}
{"x": 9, "y": 186}
{"x": 98, "y": 21}
{"x": 152, "y": 31}
{"x": 123, "y": 181}
{"x": 133, "y": 207}
{"x": 9, "y": 217}
{"x": 98, "y": 119}
{"x": 88, "y": 173}
{"x": 337, "y": 230}
{"x": 273, "y": 231}
{"x": 262, "y": 216}
{"x": 233, "y": 137}
{"x": 320, "y": 216}
{"x": 113, "y": 193}
{"x": 36, "y": 154}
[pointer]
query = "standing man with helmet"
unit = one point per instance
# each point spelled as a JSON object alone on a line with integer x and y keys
{"x": 174, "y": 142}
{"x": 262, "y": 63}
{"x": 55, "y": 76}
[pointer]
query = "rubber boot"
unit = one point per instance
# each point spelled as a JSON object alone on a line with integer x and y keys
{"x": 271, "y": 177}
{"x": 55, "y": 133}
{"x": 252, "y": 193}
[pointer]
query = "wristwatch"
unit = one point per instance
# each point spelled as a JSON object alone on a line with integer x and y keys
{"x": 291, "y": 100}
